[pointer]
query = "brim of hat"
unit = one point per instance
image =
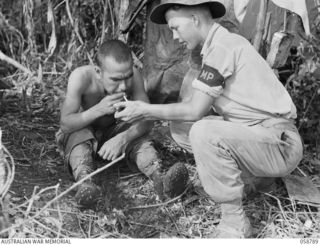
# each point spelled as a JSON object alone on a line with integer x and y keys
{"x": 157, "y": 15}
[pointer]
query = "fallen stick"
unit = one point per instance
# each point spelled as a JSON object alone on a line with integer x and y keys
{"x": 14, "y": 63}
{"x": 65, "y": 192}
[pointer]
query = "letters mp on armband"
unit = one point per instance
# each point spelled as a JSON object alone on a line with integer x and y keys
{"x": 211, "y": 76}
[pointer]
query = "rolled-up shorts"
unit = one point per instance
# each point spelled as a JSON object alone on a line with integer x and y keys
{"x": 67, "y": 141}
{"x": 140, "y": 153}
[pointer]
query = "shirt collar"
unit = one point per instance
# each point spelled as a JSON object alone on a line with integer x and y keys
{"x": 209, "y": 38}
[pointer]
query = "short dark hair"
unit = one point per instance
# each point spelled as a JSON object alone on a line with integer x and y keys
{"x": 114, "y": 48}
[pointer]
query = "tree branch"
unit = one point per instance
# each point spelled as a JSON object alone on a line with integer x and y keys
{"x": 260, "y": 24}
{"x": 14, "y": 63}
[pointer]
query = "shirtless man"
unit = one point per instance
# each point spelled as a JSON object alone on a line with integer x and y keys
{"x": 88, "y": 123}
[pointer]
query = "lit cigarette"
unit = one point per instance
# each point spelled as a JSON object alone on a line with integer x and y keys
{"x": 125, "y": 98}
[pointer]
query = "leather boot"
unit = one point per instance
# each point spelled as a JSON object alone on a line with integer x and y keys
{"x": 81, "y": 163}
{"x": 234, "y": 223}
{"x": 172, "y": 183}
{"x": 88, "y": 193}
{"x": 176, "y": 180}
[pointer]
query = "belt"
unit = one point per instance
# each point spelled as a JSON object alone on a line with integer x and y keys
{"x": 280, "y": 123}
{"x": 270, "y": 122}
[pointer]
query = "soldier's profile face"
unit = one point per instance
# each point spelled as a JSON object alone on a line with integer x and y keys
{"x": 183, "y": 28}
{"x": 116, "y": 77}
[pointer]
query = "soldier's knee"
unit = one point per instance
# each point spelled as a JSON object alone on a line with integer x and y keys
{"x": 198, "y": 132}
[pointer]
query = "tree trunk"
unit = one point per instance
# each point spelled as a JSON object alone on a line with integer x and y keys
{"x": 260, "y": 24}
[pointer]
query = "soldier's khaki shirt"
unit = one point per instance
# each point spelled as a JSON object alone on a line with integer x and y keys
{"x": 245, "y": 87}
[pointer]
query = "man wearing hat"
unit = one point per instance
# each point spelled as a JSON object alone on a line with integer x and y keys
{"x": 254, "y": 135}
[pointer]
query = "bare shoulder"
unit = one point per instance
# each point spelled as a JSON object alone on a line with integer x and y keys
{"x": 81, "y": 78}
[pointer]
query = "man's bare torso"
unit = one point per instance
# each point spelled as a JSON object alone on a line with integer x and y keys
{"x": 93, "y": 94}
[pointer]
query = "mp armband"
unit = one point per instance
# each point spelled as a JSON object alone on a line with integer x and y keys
{"x": 214, "y": 92}
{"x": 211, "y": 76}
{"x": 210, "y": 81}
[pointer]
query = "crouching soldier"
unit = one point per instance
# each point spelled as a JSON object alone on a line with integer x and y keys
{"x": 88, "y": 126}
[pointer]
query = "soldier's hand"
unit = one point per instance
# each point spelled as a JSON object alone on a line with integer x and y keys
{"x": 130, "y": 111}
{"x": 106, "y": 105}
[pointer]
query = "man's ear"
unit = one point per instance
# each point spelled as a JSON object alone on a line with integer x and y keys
{"x": 195, "y": 20}
{"x": 98, "y": 71}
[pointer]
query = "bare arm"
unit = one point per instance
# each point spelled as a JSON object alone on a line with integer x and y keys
{"x": 117, "y": 145}
{"x": 194, "y": 109}
{"x": 139, "y": 94}
{"x": 71, "y": 119}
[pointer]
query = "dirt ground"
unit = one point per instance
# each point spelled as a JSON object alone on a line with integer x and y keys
{"x": 132, "y": 209}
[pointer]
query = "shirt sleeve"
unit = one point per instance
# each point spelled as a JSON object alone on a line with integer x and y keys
{"x": 218, "y": 65}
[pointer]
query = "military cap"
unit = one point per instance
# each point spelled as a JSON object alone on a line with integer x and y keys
{"x": 157, "y": 16}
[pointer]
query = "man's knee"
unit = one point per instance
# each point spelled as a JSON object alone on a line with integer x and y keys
{"x": 140, "y": 155}
{"x": 80, "y": 161}
{"x": 81, "y": 153}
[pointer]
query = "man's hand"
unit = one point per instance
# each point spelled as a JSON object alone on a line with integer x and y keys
{"x": 106, "y": 105}
{"x": 113, "y": 148}
{"x": 130, "y": 111}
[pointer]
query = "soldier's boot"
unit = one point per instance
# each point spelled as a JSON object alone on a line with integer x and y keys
{"x": 142, "y": 156}
{"x": 234, "y": 223}
{"x": 172, "y": 183}
{"x": 82, "y": 164}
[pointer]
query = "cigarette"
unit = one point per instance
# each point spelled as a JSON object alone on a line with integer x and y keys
{"x": 125, "y": 98}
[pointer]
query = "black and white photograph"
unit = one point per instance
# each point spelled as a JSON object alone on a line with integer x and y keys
{"x": 167, "y": 120}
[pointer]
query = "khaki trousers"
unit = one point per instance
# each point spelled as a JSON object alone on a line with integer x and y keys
{"x": 226, "y": 152}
